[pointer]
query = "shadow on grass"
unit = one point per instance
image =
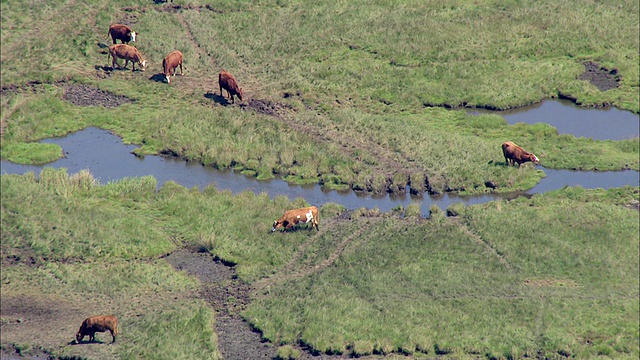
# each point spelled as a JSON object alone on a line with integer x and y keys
{"x": 159, "y": 77}
{"x": 221, "y": 100}
{"x": 74, "y": 342}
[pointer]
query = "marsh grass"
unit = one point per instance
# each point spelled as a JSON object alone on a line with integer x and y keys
{"x": 369, "y": 72}
{"x": 502, "y": 286}
{"x": 547, "y": 276}
{"x": 542, "y": 279}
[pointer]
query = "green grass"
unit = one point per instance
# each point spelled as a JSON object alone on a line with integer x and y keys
{"x": 554, "y": 276}
{"x": 354, "y": 83}
{"x": 505, "y": 279}
{"x": 366, "y": 74}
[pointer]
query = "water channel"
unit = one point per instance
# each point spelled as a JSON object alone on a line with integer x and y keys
{"x": 564, "y": 115}
{"x": 108, "y": 159}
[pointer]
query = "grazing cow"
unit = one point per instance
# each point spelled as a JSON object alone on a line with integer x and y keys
{"x": 515, "y": 154}
{"x": 170, "y": 63}
{"x": 229, "y": 83}
{"x": 128, "y": 53}
{"x": 292, "y": 217}
{"x": 122, "y": 33}
{"x": 91, "y": 325}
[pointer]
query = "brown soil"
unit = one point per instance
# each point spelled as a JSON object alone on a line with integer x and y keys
{"x": 228, "y": 296}
{"x": 603, "y": 78}
{"x": 85, "y": 95}
{"x": 49, "y": 321}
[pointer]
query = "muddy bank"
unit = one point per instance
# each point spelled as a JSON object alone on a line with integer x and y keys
{"x": 228, "y": 296}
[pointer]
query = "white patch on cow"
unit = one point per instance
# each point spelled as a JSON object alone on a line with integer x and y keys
{"x": 535, "y": 157}
{"x": 309, "y": 216}
{"x": 168, "y": 79}
{"x": 143, "y": 63}
{"x": 133, "y": 36}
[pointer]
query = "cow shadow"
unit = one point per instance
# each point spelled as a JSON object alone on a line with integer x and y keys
{"x": 104, "y": 68}
{"x": 74, "y": 342}
{"x": 159, "y": 77}
{"x": 221, "y": 100}
{"x": 108, "y": 68}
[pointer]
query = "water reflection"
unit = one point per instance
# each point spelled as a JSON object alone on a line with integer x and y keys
{"x": 564, "y": 115}
{"x": 108, "y": 159}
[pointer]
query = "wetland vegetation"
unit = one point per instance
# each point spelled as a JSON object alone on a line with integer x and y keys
{"x": 355, "y": 95}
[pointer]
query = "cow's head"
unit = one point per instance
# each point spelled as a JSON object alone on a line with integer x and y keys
{"x": 142, "y": 63}
{"x": 277, "y": 225}
{"x": 240, "y": 94}
{"x": 133, "y": 36}
{"x": 79, "y": 336}
{"x": 534, "y": 159}
{"x": 168, "y": 78}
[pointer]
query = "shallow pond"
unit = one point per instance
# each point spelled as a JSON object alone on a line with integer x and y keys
{"x": 564, "y": 115}
{"x": 108, "y": 159}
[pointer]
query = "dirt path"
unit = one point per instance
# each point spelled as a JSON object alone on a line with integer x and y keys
{"x": 229, "y": 296}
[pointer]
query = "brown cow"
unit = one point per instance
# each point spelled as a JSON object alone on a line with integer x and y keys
{"x": 292, "y": 217}
{"x": 229, "y": 83}
{"x": 122, "y": 33}
{"x": 170, "y": 63}
{"x": 515, "y": 154}
{"x": 91, "y": 325}
{"x": 128, "y": 53}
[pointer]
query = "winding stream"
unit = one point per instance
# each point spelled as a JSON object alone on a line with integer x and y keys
{"x": 108, "y": 159}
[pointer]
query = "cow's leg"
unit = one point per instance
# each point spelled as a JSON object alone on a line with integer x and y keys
{"x": 92, "y": 337}
{"x": 181, "y": 72}
{"x": 113, "y": 336}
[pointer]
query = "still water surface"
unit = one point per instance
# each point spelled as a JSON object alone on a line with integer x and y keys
{"x": 564, "y": 115}
{"x": 108, "y": 159}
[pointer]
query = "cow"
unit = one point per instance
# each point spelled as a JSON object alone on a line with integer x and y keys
{"x": 170, "y": 63}
{"x": 229, "y": 83}
{"x": 292, "y": 217}
{"x": 515, "y": 154}
{"x": 122, "y": 33}
{"x": 91, "y": 325}
{"x": 128, "y": 53}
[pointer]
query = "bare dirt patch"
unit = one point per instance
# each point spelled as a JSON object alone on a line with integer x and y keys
{"x": 228, "y": 296}
{"x": 48, "y": 318}
{"x": 601, "y": 77}
{"x": 76, "y": 94}
{"x": 85, "y": 95}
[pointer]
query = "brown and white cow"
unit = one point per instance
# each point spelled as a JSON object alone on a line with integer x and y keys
{"x": 292, "y": 217}
{"x": 170, "y": 63}
{"x": 91, "y": 325}
{"x": 128, "y": 53}
{"x": 515, "y": 154}
{"x": 122, "y": 33}
{"x": 229, "y": 83}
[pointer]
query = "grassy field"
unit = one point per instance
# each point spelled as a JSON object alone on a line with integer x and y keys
{"x": 351, "y": 89}
{"x": 351, "y": 95}
{"x": 504, "y": 279}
